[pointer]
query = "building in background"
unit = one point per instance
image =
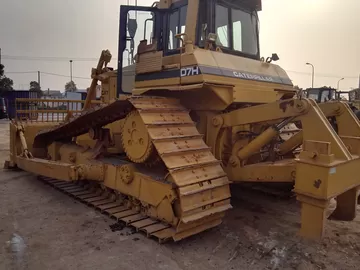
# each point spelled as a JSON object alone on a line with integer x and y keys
{"x": 52, "y": 94}
{"x": 98, "y": 91}
{"x": 60, "y": 98}
{"x": 77, "y": 95}
{"x": 10, "y": 100}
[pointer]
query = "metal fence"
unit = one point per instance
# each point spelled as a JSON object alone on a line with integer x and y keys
{"x": 47, "y": 110}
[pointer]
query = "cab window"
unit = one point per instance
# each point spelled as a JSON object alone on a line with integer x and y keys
{"x": 222, "y": 29}
{"x": 236, "y": 29}
{"x": 177, "y": 22}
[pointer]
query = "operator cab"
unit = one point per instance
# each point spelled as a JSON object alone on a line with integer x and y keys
{"x": 321, "y": 95}
{"x": 233, "y": 25}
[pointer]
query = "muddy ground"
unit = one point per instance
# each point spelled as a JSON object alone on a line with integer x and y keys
{"x": 41, "y": 228}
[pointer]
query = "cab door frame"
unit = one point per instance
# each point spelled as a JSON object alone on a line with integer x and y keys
{"x": 123, "y": 37}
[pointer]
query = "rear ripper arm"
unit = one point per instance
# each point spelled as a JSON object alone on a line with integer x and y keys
{"x": 327, "y": 166}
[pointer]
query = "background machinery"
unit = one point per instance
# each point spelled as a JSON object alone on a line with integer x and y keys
{"x": 328, "y": 94}
{"x": 191, "y": 108}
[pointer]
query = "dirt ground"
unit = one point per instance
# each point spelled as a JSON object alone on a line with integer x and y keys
{"x": 41, "y": 228}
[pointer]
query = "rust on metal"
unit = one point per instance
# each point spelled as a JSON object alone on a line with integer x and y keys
{"x": 284, "y": 105}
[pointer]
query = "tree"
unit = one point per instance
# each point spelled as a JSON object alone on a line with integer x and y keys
{"x": 35, "y": 87}
{"x": 5, "y": 82}
{"x": 70, "y": 87}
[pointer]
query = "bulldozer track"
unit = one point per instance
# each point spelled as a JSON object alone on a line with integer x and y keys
{"x": 80, "y": 124}
{"x": 197, "y": 176}
{"x": 111, "y": 207}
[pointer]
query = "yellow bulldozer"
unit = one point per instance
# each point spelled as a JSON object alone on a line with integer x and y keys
{"x": 328, "y": 94}
{"x": 191, "y": 109}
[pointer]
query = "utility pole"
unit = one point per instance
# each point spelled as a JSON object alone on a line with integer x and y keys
{"x": 39, "y": 79}
{"x": 0, "y": 56}
{"x": 71, "y": 77}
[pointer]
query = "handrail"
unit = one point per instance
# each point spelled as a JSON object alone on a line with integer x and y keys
{"x": 48, "y": 110}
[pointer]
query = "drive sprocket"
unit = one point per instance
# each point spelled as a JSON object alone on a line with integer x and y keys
{"x": 136, "y": 141}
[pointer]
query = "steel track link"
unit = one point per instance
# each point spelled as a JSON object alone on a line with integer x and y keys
{"x": 112, "y": 208}
{"x": 95, "y": 117}
{"x": 201, "y": 183}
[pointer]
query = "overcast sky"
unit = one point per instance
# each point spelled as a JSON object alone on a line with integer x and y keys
{"x": 323, "y": 32}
